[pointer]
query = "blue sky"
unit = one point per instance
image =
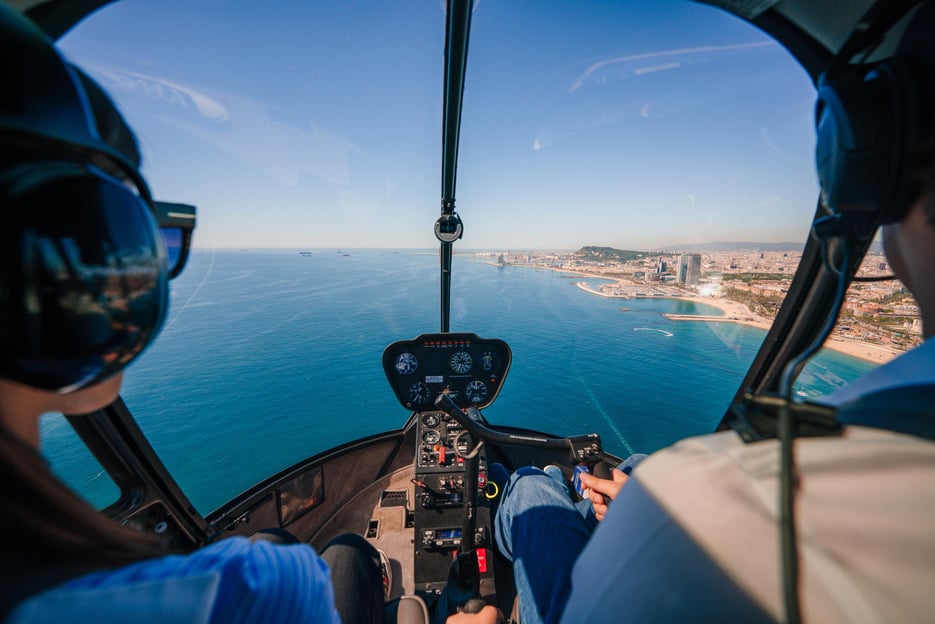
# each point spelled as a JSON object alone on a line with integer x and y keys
{"x": 318, "y": 124}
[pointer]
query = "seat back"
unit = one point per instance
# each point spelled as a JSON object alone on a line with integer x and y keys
{"x": 903, "y": 409}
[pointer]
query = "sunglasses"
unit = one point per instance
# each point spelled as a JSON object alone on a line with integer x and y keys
{"x": 176, "y": 222}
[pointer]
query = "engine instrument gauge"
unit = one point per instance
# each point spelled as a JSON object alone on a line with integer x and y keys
{"x": 488, "y": 361}
{"x": 406, "y": 363}
{"x": 431, "y": 437}
{"x": 461, "y": 362}
{"x": 430, "y": 420}
{"x": 419, "y": 393}
{"x": 476, "y": 392}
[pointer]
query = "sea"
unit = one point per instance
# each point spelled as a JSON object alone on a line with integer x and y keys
{"x": 270, "y": 356}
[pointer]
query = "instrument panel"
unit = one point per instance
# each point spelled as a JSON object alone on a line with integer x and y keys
{"x": 468, "y": 368}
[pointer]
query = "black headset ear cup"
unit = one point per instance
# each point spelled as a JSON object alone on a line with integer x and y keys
{"x": 866, "y": 125}
{"x": 83, "y": 281}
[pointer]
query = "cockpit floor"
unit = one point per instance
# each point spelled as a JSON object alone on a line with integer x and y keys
{"x": 393, "y": 536}
{"x": 383, "y": 521}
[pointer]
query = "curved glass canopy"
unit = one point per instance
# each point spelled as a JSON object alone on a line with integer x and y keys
{"x": 309, "y": 136}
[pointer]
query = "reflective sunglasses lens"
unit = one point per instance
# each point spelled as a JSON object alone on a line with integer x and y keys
{"x": 174, "y": 240}
{"x": 88, "y": 284}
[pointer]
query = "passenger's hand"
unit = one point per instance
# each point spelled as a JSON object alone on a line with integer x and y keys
{"x": 601, "y": 487}
{"x": 487, "y": 615}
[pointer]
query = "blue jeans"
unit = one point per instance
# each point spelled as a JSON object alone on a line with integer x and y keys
{"x": 542, "y": 532}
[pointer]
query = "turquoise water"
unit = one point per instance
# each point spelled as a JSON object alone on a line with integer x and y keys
{"x": 269, "y": 357}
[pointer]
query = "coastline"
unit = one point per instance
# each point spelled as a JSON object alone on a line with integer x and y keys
{"x": 734, "y": 312}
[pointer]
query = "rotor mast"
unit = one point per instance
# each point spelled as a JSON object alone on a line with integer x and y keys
{"x": 448, "y": 227}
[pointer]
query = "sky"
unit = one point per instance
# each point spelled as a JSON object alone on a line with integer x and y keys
{"x": 301, "y": 124}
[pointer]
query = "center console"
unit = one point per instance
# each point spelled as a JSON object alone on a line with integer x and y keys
{"x": 440, "y": 495}
{"x": 470, "y": 371}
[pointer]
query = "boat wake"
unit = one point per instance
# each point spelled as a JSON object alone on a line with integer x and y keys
{"x": 653, "y": 329}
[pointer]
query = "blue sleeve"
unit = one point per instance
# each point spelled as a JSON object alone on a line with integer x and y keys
{"x": 270, "y": 583}
{"x": 233, "y": 580}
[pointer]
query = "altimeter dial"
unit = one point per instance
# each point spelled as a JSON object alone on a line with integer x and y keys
{"x": 461, "y": 362}
{"x": 476, "y": 392}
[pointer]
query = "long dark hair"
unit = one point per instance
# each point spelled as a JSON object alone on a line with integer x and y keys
{"x": 50, "y": 534}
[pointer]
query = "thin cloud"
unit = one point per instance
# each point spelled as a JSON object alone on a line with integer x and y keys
{"x": 242, "y": 127}
{"x": 641, "y": 71}
{"x": 166, "y": 91}
{"x": 644, "y": 111}
{"x": 602, "y": 65}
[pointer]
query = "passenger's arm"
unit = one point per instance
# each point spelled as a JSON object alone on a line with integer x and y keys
{"x": 603, "y": 487}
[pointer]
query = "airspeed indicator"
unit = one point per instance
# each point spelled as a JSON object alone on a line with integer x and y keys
{"x": 461, "y": 362}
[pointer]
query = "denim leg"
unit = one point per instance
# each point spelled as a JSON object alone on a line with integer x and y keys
{"x": 356, "y": 578}
{"x": 539, "y": 529}
{"x": 584, "y": 505}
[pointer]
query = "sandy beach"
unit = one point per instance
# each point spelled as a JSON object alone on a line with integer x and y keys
{"x": 735, "y": 312}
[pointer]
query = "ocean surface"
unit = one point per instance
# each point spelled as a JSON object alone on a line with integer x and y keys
{"x": 268, "y": 357}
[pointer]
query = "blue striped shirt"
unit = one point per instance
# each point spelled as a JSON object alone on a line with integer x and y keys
{"x": 234, "y": 580}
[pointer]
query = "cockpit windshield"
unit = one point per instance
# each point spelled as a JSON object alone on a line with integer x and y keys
{"x": 636, "y": 182}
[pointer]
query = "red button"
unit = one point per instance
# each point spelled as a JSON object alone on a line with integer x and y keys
{"x": 482, "y": 560}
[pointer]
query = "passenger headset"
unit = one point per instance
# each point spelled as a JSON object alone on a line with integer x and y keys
{"x": 868, "y": 126}
{"x": 83, "y": 268}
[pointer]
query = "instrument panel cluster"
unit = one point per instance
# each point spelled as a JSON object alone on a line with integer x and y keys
{"x": 468, "y": 368}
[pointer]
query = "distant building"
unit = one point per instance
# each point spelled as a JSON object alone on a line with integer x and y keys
{"x": 694, "y": 270}
{"x": 689, "y": 269}
{"x": 662, "y": 266}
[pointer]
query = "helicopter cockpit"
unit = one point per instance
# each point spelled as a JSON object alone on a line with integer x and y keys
{"x": 603, "y": 173}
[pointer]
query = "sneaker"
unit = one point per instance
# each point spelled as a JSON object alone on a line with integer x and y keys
{"x": 387, "y": 571}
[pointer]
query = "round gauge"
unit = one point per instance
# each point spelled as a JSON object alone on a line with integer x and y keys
{"x": 430, "y": 420}
{"x": 406, "y": 363}
{"x": 488, "y": 361}
{"x": 476, "y": 392}
{"x": 431, "y": 437}
{"x": 419, "y": 393}
{"x": 461, "y": 362}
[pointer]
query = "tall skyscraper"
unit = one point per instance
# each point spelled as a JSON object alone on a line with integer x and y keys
{"x": 689, "y": 269}
{"x": 694, "y": 270}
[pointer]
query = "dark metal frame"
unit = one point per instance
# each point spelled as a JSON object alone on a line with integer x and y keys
{"x": 118, "y": 443}
{"x": 121, "y": 447}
